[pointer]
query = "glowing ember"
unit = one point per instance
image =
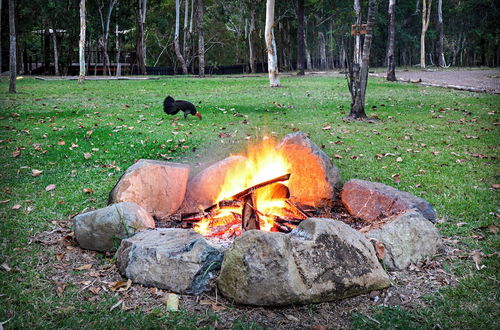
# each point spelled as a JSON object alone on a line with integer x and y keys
{"x": 269, "y": 202}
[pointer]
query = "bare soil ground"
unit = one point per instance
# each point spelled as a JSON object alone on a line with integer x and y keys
{"x": 486, "y": 80}
{"x": 97, "y": 280}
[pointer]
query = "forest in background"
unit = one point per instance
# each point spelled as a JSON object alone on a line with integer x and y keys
{"x": 234, "y": 33}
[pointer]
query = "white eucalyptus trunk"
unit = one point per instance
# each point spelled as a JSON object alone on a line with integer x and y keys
{"x": 12, "y": 50}
{"x": 81, "y": 44}
{"x": 426, "y": 15}
{"x": 272, "y": 56}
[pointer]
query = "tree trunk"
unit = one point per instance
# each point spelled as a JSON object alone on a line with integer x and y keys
{"x": 391, "y": 63}
{"x": 272, "y": 56}
{"x": 357, "y": 39}
{"x": 426, "y": 15}
{"x": 251, "y": 41}
{"x": 56, "y": 52}
{"x": 357, "y": 86}
{"x": 176, "y": 38}
{"x": 185, "y": 38}
{"x": 139, "y": 43}
{"x": 46, "y": 50}
{"x": 441, "y": 59}
{"x": 118, "y": 71}
{"x": 300, "y": 37}
{"x": 322, "y": 50}
{"x": 12, "y": 52}
{"x": 201, "y": 40}
{"x": 81, "y": 43}
{"x": 1, "y": 37}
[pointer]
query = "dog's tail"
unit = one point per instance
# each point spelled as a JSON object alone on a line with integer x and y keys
{"x": 169, "y": 106}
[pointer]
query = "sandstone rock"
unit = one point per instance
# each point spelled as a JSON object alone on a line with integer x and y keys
{"x": 203, "y": 188}
{"x": 178, "y": 260}
{"x": 314, "y": 178}
{"x": 372, "y": 200}
{"x": 102, "y": 229}
{"x": 157, "y": 186}
{"x": 407, "y": 238}
{"x": 321, "y": 260}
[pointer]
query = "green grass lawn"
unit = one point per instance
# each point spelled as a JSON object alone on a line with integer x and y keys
{"x": 84, "y": 137}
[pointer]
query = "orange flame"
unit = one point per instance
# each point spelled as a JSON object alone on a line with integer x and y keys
{"x": 263, "y": 163}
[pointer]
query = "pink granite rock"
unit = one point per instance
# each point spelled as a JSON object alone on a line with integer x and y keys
{"x": 158, "y": 186}
{"x": 314, "y": 179}
{"x": 372, "y": 200}
{"x": 203, "y": 188}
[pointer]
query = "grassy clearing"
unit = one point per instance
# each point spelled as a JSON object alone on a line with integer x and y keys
{"x": 447, "y": 140}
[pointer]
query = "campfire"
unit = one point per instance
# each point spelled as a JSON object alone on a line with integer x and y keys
{"x": 255, "y": 195}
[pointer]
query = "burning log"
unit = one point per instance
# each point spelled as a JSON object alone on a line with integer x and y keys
{"x": 248, "y": 191}
{"x": 249, "y": 216}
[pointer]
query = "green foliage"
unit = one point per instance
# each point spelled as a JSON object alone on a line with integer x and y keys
{"x": 447, "y": 141}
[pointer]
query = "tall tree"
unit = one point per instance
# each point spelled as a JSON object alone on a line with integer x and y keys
{"x": 81, "y": 44}
{"x": 300, "y": 37}
{"x": 139, "y": 41}
{"x": 358, "y": 74}
{"x": 252, "y": 56}
{"x": 391, "y": 35}
{"x": 272, "y": 56}
{"x": 185, "y": 31}
{"x": 1, "y": 36}
{"x": 201, "y": 39}
{"x": 105, "y": 21}
{"x": 441, "y": 59}
{"x": 322, "y": 50}
{"x": 426, "y": 16}
{"x": 177, "y": 49}
{"x": 12, "y": 51}
{"x": 56, "y": 52}
{"x": 357, "y": 38}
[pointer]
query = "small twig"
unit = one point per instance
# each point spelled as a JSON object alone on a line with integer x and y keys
{"x": 370, "y": 318}
{"x": 116, "y": 305}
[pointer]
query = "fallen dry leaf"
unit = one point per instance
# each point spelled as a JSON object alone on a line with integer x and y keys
{"x": 36, "y": 172}
{"x": 171, "y": 300}
{"x": 88, "y": 190}
{"x": 87, "y": 155}
{"x": 59, "y": 256}
{"x": 16, "y": 207}
{"x": 493, "y": 229}
{"x": 495, "y": 186}
{"x": 95, "y": 290}
{"x": 337, "y": 156}
{"x": 476, "y": 257}
{"x": 61, "y": 142}
{"x": 399, "y": 159}
{"x": 396, "y": 178}
{"x": 50, "y": 187}
{"x": 120, "y": 286}
{"x": 327, "y": 127}
{"x": 6, "y": 267}
{"x": 16, "y": 153}
{"x": 84, "y": 267}
{"x": 379, "y": 250}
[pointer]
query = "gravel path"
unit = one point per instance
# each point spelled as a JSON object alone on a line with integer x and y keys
{"x": 480, "y": 80}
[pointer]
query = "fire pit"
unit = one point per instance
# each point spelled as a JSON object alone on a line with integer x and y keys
{"x": 247, "y": 224}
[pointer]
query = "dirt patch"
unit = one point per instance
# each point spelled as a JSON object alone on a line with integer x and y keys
{"x": 67, "y": 263}
{"x": 474, "y": 80}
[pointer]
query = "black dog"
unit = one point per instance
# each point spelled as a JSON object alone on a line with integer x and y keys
{"x": 171, "y": 107}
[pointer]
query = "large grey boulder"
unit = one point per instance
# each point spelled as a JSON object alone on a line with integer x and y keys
{"x": 314, "y": 179}
{"x": 204, "y": 187}
{"x": 157, "y": 186}
{"x": 321, "y": 260}
{"x": 178, "y": 260}
{"x": 371, "y": 201}
{"x": 407, "y": 239}
{"x": 102, "y": 229}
